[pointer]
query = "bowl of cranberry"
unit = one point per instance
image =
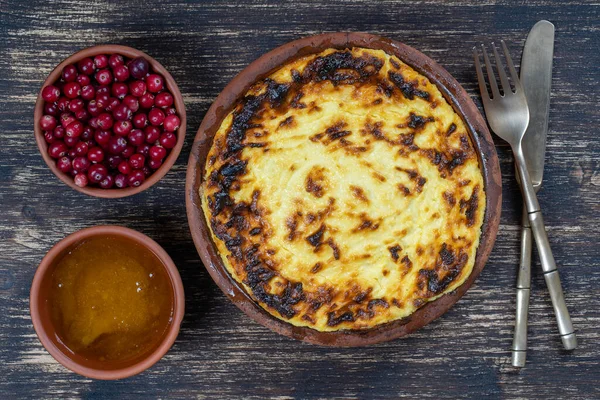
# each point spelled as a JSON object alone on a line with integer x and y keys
{"x": 110, "y": 121}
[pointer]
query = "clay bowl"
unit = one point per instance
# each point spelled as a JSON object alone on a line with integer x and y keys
{"x": 262, "y": 67}
{"x": 169, "y": 83}
{"x": 42, "y": 323}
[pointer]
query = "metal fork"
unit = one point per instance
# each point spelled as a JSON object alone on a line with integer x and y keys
{"x": 508, "y": 116}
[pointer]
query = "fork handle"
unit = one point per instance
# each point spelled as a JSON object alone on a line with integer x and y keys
{"x": 565, "y": 327}
{"x": 519, "y": 346}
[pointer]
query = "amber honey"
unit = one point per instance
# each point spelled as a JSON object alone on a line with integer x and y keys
{"x": 111, "y": 299}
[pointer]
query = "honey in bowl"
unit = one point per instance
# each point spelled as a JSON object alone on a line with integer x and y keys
{"x": 111, "y": 299}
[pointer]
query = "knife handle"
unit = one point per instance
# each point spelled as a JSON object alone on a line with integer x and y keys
{"x": 565, "y": 327}
{"x": 519, "y": 346}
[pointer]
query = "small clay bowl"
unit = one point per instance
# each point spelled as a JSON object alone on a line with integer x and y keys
{"x": 42, "y": 322}
{"x": 261, "y": 68}
{"x": 170, "y": 85}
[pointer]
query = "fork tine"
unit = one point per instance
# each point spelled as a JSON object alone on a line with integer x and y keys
{"x": 490, "y": 73}
{"x": 501, "y": 72}
{"x": 482, "y": 87}
{"x": 513, "y": 72}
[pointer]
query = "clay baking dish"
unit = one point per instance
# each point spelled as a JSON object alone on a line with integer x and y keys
{"x": 169, "y": 83}
{"x": 46, "y": 332}
{"x": 262, "y": 67}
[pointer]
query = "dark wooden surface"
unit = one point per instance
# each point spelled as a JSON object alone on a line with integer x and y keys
{"x": 220, "y": 353}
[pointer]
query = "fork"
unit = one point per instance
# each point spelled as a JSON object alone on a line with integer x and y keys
{"x": 508, "y": 116}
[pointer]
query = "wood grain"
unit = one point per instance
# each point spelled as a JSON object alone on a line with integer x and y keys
{"x": 220, "y": 353}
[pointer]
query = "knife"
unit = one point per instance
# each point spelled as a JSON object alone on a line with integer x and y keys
{"x": 536, "y": 78}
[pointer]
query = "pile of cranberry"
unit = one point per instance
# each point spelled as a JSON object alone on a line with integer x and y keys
{"x": 109, "y": 121}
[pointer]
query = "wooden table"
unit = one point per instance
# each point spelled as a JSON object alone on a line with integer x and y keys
{"x": 221, "y": 353}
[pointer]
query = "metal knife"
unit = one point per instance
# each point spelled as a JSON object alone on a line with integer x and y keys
{"x": 536, "y": 78}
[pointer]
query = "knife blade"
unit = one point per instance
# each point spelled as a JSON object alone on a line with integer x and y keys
{"x": 536, "y": 79}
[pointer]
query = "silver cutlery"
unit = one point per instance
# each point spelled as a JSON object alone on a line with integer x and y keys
{"x": 536, "y": 79}
{"x": 508, "y": 116}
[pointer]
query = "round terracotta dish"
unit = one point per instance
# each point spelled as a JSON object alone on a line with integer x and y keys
{"x": 169, "y": 83}
{"x": 42, "y": 322}
{"x": 262, "y": 67}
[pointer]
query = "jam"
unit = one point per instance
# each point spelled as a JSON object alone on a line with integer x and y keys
{"x": 111, "y": 299}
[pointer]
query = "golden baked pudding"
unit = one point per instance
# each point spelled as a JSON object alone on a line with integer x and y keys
{"x": 344, "y": 192}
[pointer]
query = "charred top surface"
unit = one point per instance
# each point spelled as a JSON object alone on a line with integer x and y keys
{"x": 343, "y": 191}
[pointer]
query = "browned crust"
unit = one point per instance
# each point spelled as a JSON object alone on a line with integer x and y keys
{"x": 453, "y": 93}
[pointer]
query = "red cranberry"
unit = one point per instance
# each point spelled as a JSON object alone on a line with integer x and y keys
{"x": 147, "y": 100}
{"x": 163, "y": 100}
{"x": 116, "y": 145}
{"x": 76, "y": 105}
{"x": 147, "y": 171}
{"x": 82, "y": 115}
{"x": 137, "y": 88}
{"x": 121, "y": 181}
{"x": 102, "y": 137}
{"x": 137, "y": 161}
{"x": 81, "y": 148}
{"x": 83, "y": 80}
{"x": 81, "y": 180}
{"x": 155, "y": 164}
{"x": 97, "y": 173}
{"x": 171, "y": 111}
{"x": 140, "y": 120}
{"x": 103, "y": 90}
{"x": 64, "y": 164}
{"x": 128, "y": 152}
{"x": 107, "y": 182}
{"x": 50, "y": 93}
{"x": 122, "y": 113}
{"x": 71, "y": 154}
{"x": 88, "y": 92}
{"x": 50, "y": 109}
{"x": 131, "y": 102}
{"x": 168, "y": 140}
{"x": 59, "y": 132}
{"x": 157, "y": 152}
{"x": 154, "y": 83}
{"x": 125, "y": 168}
{"x": 49, "y": 137}
{"x": 136, "y": 137}
{"x": 104, "y": 77}
{"x": 69, "y": 73}
{"x": 114, "y": 161}
{"x": 171, "y": 123}
{"x": 143, "y": 149}
{"x": 71, "y": 141}
{"x": 48, "y": 122}
{"x": 72, "y": 90}
{"x": 119, "y": 90}
{"x": 156, "y": 116}
{"x": 86, "y": 66}
{"x": 93, "y": 108}
{"x": 87, "y": 134}
{"x": 122, "y": 128}
{"x": 57, "y": 150}
{"x": 101, "y": 61}
{"x": 81, "y": 164}
{"x": 95, "y": 155}
{"x": 63, "y": 104}
{"x": 66, "y": 119}
{"x": 138, "y": 67}
{"x": 74, "y": 129}
{"x": 105, "y": 121}
{"x": 115, "y": 60}
{"x": 152, "y": 134}
{"x": 136, "y": 178}
{"x": 121, "y": 73}
{"x": 113, "y": 103}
